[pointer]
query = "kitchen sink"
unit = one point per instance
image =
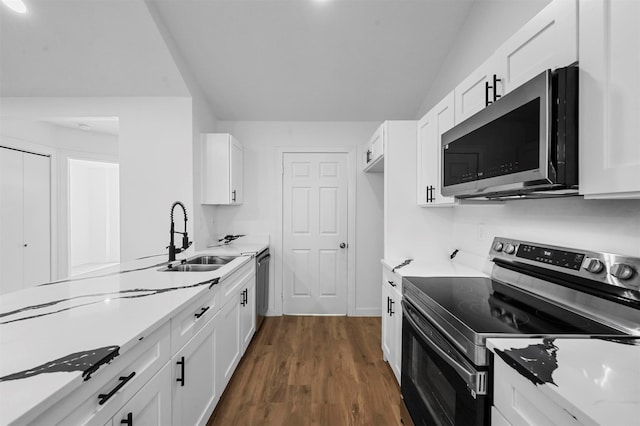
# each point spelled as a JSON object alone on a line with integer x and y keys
{"x": 210, "y": 260}
{"x": 186, "y": 267}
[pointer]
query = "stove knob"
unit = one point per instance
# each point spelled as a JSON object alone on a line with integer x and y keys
{"x": 593, "y": 265}
{"x": 509, "y": 249}
{"x": 498, "y": 246}
{"x": 622, "y": 271}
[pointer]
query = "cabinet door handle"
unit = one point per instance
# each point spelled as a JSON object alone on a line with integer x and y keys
{"x": 246, "y": 296}
{"x": 243, "y": 300}
{"x": 487, "y": 102}
{"x": 202, "y": 311}
{"x": 368, "y": 156}
{"x": 181, "y": 364}
{"x": 104, "y": 397}
{"x": 388, "y": 305}
{"x": 392, "y": 283}
{"x": 233, "y": 195}
{"x": 495, "y": 88}
{"x": 128, "y": 421}
{"x": 391, "y": 312}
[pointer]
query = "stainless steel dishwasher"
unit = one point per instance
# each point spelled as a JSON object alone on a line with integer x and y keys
{"x": 262, "y": 286}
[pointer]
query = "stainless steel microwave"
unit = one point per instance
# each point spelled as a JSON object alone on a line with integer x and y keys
{"x": 524, "y": 145}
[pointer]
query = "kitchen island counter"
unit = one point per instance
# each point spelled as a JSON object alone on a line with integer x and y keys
{"x": 57, "y": 335}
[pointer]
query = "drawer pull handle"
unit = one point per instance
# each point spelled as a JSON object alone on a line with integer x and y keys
{"x": 392, "y": 283}
{"x": 128, "y": 421}
{"x": 202, "y": 311}
{"x": 104, "y": 397}
{"x": 181, "y": 364}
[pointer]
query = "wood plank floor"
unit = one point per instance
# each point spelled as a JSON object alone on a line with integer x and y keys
{"x": 312, "y": 371}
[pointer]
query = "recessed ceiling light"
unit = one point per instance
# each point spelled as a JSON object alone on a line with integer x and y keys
{"x": 84, "y": 126}
{"x": 16, "y": 5}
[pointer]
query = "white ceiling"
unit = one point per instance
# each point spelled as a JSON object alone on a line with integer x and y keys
{"x": 79, "y": 48}
{"x": 291, "y": 60}
{"x": 105, "y": 125}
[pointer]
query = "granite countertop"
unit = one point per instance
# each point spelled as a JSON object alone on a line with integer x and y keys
{"x": 105, "y": 312}
{"x": 596, "y": 380}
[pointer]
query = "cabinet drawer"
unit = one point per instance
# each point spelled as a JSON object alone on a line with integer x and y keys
{"x": 392, "y": 279}
{"x": 191, "y": 319}
{"x": 231, "y": 285}
{"x": 82, "y": 405}
{"x": 522, "y": 403}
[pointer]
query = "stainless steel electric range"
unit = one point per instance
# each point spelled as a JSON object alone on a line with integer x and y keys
{"x": 534, "y": 290}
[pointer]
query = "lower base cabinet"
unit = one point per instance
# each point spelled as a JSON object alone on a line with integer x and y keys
{"x": 151, "y": 405}
{"x": 195, "y": 385}
{"x": 392, "y": 321}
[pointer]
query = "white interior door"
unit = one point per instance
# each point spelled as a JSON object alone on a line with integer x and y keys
{"x": 315, "y": 189}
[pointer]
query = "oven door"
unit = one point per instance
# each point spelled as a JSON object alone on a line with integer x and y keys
{"x": 439, "y": 386}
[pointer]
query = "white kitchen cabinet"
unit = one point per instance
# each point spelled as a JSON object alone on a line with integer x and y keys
{"x": 430, "y": 130}
{"x": 392, "y": 320}
{"x": 190, "y": 320}
{"x": 373, "y": 157}
{"x": 229, "y": 354}
{"x": 25, "y": 220}
{"x": 548, "y": 41}
{"x": 609, "y": 99}
{"x": 222, "y": 169}
{"x": 520, "y": 402}
{"x": 151, "y": 406}
{"x": 196, "y": 386}
{"x": 476, "y": 91}
{"x": 248, "y": 313}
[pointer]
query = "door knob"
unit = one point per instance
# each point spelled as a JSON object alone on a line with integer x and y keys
{"x": 343, "y": 245}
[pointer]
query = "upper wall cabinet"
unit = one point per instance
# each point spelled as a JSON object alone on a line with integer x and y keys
{"x": 222, "y": 169}
{"x": 430, "y": 129}
{"x": 547, "y": 41}
{"x": 610, "y": 99}
{"x": 373, "y": 157}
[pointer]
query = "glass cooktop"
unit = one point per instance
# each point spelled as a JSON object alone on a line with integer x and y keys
{"x": 489, "y": 307}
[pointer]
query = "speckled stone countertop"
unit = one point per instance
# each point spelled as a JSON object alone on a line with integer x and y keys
{"x": 596, "y": 380}
{"x": 93, "y": 317}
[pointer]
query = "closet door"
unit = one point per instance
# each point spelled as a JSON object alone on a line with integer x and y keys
{"x": 37, "y": 220}
{"x": 25, "y": 220}
{"x": 11, "y": 245}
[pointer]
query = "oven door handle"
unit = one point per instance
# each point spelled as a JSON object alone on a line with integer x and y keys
{"x": 476, "y": 381}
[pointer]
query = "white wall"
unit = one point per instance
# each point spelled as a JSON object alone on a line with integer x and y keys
{"x": 155, "y": 155}
{"x": 412, "y": 232}
{"x": 203, "y": 121}
{"x": 258, "y": 214}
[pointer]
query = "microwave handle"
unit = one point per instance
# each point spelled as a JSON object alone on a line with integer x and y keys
{"x": 476, "y": 381}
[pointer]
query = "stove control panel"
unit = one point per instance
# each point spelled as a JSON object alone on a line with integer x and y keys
{"x": 607, "y": 268}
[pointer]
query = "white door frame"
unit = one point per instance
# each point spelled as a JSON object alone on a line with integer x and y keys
{"x": 351, "y": 221}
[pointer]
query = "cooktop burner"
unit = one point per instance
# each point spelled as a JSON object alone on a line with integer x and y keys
{"x": 489, "y": 307}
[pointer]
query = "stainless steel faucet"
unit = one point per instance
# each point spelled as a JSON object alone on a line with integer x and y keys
{"x": 185, "y": 238}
